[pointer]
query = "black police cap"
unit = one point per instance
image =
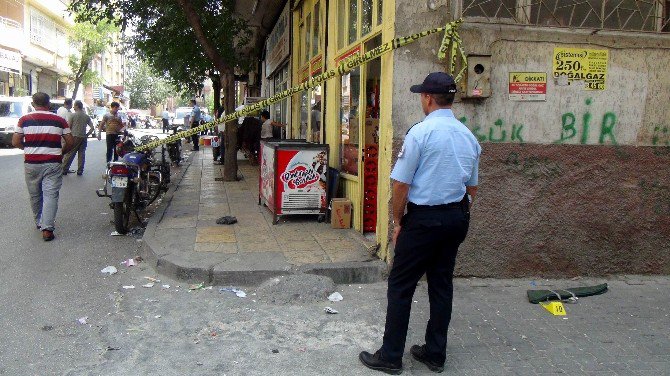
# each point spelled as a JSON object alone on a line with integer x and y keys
{"x": 436, "y": 83}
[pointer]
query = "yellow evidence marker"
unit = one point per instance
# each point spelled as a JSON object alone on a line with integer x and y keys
{"x": 555, "y": 308}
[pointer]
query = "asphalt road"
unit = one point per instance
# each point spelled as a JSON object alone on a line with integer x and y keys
{"x": 47, "y": 286}
{"x": 168, "y": 329}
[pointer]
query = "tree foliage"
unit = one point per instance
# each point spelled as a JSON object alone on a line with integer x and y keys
{"x": 188, "y": 40}
{"x": 145, "y": 87}
{"x": 91, "y": 39}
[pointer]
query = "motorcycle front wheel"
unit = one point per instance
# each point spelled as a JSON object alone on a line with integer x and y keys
{"x": 122, "y": 212}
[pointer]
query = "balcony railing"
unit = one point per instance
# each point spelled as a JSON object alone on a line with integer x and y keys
{"x": 629, "y": 15}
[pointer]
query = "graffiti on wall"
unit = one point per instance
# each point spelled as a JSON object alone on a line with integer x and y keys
{"x": 582, "y": 128}
{"x": 498, "y": 132}
{"x": 575, "y": 126}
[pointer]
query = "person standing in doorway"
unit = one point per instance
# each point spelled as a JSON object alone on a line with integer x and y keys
{"x": 64, "y": 111}
{"x": 39, "y": 134}
{"x": 78, "y": 126}
{"x": 112, "y": 124}
{"x": 165, "y": 117}
{"x": 434, "y": 182}
{"x": 266, "y": 127}
{"x": 195, "y": 121}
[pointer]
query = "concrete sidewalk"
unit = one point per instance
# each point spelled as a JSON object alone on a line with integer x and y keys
{"x": 184, "y": 241}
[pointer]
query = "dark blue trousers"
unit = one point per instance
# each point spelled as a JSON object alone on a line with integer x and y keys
{"x": 427, "y": 244}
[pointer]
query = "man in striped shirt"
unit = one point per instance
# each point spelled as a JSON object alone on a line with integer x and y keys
{"x": 39, "y": 134}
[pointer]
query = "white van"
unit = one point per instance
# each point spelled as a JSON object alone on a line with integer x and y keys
{"x": 179, "y": 114}
{"x": 11, "y": 109}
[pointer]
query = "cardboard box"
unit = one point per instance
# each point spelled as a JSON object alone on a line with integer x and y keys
{"x": 340, "y": 215}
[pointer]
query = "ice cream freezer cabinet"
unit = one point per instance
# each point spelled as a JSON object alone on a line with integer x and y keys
{"x": 293, "y": 178}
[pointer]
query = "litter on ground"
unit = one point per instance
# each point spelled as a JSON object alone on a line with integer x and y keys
{"x": 109, "y": 270}
{"x": 335, "y": 297}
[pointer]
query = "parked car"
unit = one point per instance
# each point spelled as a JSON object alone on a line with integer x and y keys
{"x": 11, "y": 109}
{"x": 179, "y": 114}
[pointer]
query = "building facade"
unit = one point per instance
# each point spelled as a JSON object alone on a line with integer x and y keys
{"x": 34, "y": 38}
{"x": 35, "y": 48}
{"x": 568, "y": 99}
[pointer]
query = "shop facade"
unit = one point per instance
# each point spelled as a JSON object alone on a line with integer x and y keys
{"x": 608, "y": 114}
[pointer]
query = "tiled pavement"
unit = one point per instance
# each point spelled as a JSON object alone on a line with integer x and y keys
{"x": 188, "y": 231}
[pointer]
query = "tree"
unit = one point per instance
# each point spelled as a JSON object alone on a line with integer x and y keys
{"x": 188, "y": 40}
{"x": 145, "y": 87}
{"x": 91, "y": 39}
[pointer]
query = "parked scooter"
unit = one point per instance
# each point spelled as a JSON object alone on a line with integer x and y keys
{"x": 136, "y": 180}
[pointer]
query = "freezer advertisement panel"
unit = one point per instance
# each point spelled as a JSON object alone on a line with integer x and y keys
{"x": 267, "y": 181}
{"x": 302, "y": 175}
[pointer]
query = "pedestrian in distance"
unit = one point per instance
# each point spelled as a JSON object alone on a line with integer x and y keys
{"x": 79, "y": 121}
{"x": 195, "y": 121}
{"x": 112, "y": 124}
{"x": 39, "y": 134}
{"x": 165, "y": 117}
{"x": 434, "y": 182}
{"x": 64, "y": 111}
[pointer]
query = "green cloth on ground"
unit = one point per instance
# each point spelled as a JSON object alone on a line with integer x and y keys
{"x": 536, "y": 296}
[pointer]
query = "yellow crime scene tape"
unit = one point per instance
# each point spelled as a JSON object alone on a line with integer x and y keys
{"x": 451, "y": 46}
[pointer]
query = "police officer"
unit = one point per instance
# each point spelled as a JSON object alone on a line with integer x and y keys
{"x": 434, "y": 182}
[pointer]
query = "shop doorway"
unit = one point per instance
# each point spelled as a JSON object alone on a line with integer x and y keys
{"x": 370, "y": 137}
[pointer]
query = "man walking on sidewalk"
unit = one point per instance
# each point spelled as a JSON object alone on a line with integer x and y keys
{"x": 195, "y": 121}
{"x": 436, "y": 172}
{"x": 112, "y": 124}
{"x": 78, "y": 123}
{"x": 39, "y": 134}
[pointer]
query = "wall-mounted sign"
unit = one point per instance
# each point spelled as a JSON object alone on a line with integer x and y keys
{"x": 277, "y": 48}
{"x": 10, "y": 61}
{"x": 527, "y": 86}
{"x": 589, "y": 66}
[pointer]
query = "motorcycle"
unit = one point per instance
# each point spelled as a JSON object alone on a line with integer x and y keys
{"x": 136, "y": 180}
{"x": 174, "y": 148}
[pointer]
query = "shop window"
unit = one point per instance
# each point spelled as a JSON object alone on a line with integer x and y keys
{"x": 317, "y": 29}
{"x": 356, "y": 20}
{"x": 280, "y": 109}
{"x": 308, "y": 36}
{"x": 341, "y": 24}
{"x": 665, "y": 27}
{"x": 316, "y": 126}
{"x": 379, "y": 11}
{"x": 350, "y": 122}
{"x": 301, "y": 44}
{"x": 366, "y": 26}
{"x": 303, "y": 116}
{"x": 353, "y": 21}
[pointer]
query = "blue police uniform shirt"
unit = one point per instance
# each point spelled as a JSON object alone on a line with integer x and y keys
{"x": 195, "y": 114}
{"x": 439, "y": 158}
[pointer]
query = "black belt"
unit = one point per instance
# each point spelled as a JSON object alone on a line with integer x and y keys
{"x": 414, "y": 207}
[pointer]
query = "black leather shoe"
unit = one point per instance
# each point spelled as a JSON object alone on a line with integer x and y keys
{"x": 419, "y": 353}
{"x": 375, "y": 362}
